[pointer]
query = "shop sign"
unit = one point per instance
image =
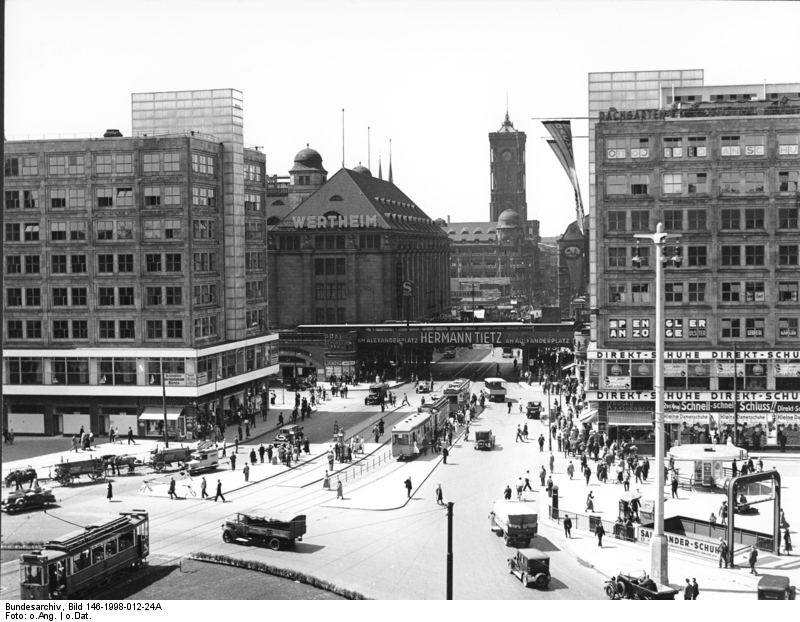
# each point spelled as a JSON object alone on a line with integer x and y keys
{"x": 647, "y": 114}
{"x": 787, "y": 369}
{"x": 717, "y": 355}
{"x": 695, "y": 328}
{"x": 683, "y": 417}
{"x": 175, "y": 380}
{"x": 341, "y": 342}
{"x": 682, "y": 544}
{"x": 202, "y": 378}
{"x": 787, "y": 407}
{"x": 746, "y": 399}
{"x": 191, "y": 380}
{"x": 353, "y": 221}
{"x": 467, "y": 337}
{"x": 633, "y": 328}
{"x": 642, "y": 369}
{"x": 675, "y": 370}
{"x": 617, "y": 382}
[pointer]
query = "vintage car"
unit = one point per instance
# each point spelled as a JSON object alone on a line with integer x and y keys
{"x": 531, "y": 566}
{"x": 449, "y": 353}
{"x": 275, "y": 531}
{"x": 378, "y": 393}
{"x": 204, "y": 458}
{"x": 534, "y": 410}
{"x": 27, "y": 499}
{"x": 773, "y": 587}
{"x": 289, "y": 434}
{"x": 424, "y": 386}
{"x": 484, "y": 440}
{"x": 637, "y": 586}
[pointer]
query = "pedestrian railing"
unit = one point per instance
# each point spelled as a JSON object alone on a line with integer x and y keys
{"x": 584, "y": 522}
{"x": 365, "y": 466}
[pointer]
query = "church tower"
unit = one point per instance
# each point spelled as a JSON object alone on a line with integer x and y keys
{"x": 507, "y": 157}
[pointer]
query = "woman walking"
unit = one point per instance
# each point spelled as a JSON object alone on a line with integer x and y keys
{"x": 110, "y": 495}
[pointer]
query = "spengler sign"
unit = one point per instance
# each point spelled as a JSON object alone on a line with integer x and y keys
{"x": 467, "y": 337}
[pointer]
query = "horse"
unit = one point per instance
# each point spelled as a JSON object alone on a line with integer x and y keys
{"x": 20, "y": 477}
{"x": 115, "y": 462}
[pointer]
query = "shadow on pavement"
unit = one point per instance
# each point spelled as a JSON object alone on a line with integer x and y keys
{"x": 544, "y": 545}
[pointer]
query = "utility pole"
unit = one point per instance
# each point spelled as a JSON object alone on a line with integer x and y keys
{"x": 450, "y": 550}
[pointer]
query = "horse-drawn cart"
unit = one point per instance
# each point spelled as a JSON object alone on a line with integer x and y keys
{"x": 66, "y": 472}
{"x": 161, "y": 459}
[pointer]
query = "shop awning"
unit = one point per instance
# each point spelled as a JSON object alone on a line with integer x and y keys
{"x": 630, "y": 418}
{"x": 570, "y": 366}
{"x": 590, "y": 416}
{"x": 156, "y": 413}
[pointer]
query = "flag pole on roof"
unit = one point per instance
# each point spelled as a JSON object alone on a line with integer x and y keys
{"x": 369, "y": 151}
{"x": 380, "y": 170}
{"x": 391, "y": 177}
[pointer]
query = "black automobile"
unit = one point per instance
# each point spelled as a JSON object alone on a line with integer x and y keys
{"x": 534, "y": 410}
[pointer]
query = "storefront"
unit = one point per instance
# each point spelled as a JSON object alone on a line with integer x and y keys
{"x": 151, "y": 422}
{"x": 632, "y": 423}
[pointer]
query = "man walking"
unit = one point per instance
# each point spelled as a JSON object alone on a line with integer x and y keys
{"x": 541, "y": 443}
{"x": 542, "y": 475}
{"x": 568, "y": 527}
{"x": 219, "y": 492}
{"x": 687, "y": 591}
{"x": 408, "y": 487}
{"x": 599, "y": 532}
{"x": 445, "y": 453}
{"x": 570, "y": 469}
{"x": 509, "y": 408}
{"x": 233, "y": 462}
{"x": 130, "y": 436}
{"x": 519, "y": 435}
{"x": 203, "y": 492}
{"x": 674, "y": 486}
{"x": 172, "y": 494}
{"x": 439, "y": 500}
{"x": 405, "y": 401}
{"x": 695, "y": 589}
{"x": 552, "y": 462}
{"x": 752, "y": 558}
{"x": 527, "y": 485}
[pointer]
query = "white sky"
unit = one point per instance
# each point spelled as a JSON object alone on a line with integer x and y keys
{"x": 432, "y": 75}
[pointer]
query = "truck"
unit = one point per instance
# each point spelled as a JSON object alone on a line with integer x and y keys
{"x": 204, "y": 458}
{"x": 275, "y": 532}
{"x": 516, "y": 521}
{"x": 377, "y": 393}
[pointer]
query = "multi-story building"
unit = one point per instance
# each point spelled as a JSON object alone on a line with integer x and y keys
{"x": 723, "y": 174}
{"x": 136, "y": 267}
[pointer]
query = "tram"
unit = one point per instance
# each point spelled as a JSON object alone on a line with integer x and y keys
{"x": 496, "y": 389}
{"x": 458, "y": 392}
{"x": 414, "y": 434}
{"x": 81, "y": 561}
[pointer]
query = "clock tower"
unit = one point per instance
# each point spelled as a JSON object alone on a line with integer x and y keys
{"x": 507, "y": 157}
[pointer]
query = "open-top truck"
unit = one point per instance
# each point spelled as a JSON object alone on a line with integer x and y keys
{"x": 275, "y": 532}
{"x": 516, "y": 521}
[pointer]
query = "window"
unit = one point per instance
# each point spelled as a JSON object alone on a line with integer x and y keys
{"x": 63, "y": 165}
{"x": 252, "y": 172}
{"x": 105, "y": 197}
{"x": 124, "y": 229}
{"x": 252, "y": 202}
{"x": 205, "y": 326}
{"x": 289, "y": 243}
{"x": 14, "y": 329}
{"x": 640, "y": 184}
{"x": 731, "y": 327}
{"x": 254, "y": 231}
{"x": 205, "y": 262}
{"x": 151, "y": 162}
{"x": 174, "y": 295}
{"x": 673, "y": 219}
{"x": 697, "y": 183}
{"x": 31, "y": 231}
{"x": 105, "y": 263}
{"x": 672, "y": 183}
{"x": 32, "y": 265}
{"x": 729, "y": 182}
{"x": 640, "y": 148}
{"x": 255, "y": 289}
{"x": 205, "y": 294}
{"x": 13, "y": 296}
{"x": 152, "y": 197}
{"x": 640, "y": 292}
{"x": 58, "y": 264}
{"x": 105, "y": 296}
{"x": 60, "y": 329}
{"x": 787, "y": 181}
{"x": 58, "y": 198}
{"x": 754, "y": 182}
{"x": 697, "y": 292}
{"x": 754, "y": 145}
{"x": 697, "y": 147}
{"x": 33, "y": 328}
{"x": 787, "y": 218}
{"x": 254, "y": 261}
{"x": 754, "y": 328}
{"x": 172, "y": 229}
{"x": 730, "y": 146}
{"x": 616, "y": 257}
{"x": 696, "y": 218}
{"x": 754, "y": 291}
{"x": 60, "y": 297}
{"x": 124, "y": 197}
{"x": 153, "y": 262}
{"x": 731, "y": 255}
{"x": 58, "y": 231}
{"x": 78, "y": 296}
{"x": 125, "y": 296}
{"x": 152, "y": 229}
{"x": 754, "y": 255}
{"x": 12, "y": 232}
{"x": 153, "y": 296}
{"x": 374, "y": 240}
{"x": 77, "y": 231}
{"x": 730, "y": 219}
{"x": 203, "y": 164}
{"x": 204, "y": 197}
{"x": 673, "y": 292}
{"x": 33, "y": 297}
{"x": 616, "y": 184}
{"x": 105, "y": 229}
{"x": 12, "y": 167}
{"x": 672, "y": 147}
{"x": 787, "y": 144}
{"x": 787, "y": 291}
{"x": 13, "y": 264}
{"x": 12, "y": 199}
{"x": 155, "y": 329}
{"x": 103, "y": 164}
{"x": 67, "y": 198}
{"x": 754, "y": 219}
{"x": 640, "y": 220}
{"x": 615, "y": 148}
{"x": 125, "y": 263}
{"x": 787, "y": 327}
{"x": 204, "y": 229}
{"x": 118, "y": 371}
{"x": 127, "y": 329}
{"x": 787, "y": 255}
{"x": 30, "y": 199}
{"x": 174, "y": 261}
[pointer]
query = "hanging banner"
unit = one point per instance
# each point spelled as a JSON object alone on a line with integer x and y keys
{"x": 561, "y": 131}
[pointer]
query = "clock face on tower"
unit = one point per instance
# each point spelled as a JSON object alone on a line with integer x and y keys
{"x": 507, "y": 155}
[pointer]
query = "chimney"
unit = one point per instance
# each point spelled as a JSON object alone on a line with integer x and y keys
{"x": 448, "y": 219}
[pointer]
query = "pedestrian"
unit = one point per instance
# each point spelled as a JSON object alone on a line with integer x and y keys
{"x": 590, "y": 502}
{"x": 542, "y": 475}
{"x": 752, "y": 558}
{"x": 507, "y": 493}
{"x": 445, "y": 453}
{"x": 253, "y": 456}
{"x": 541, "y": 443}
{"x": 172, "y": 494}
{"x": 787, "y": 541}
{"x": 687, "y": 591}
{"x": 261, "y": 452}
{"x": 203, "y": 486}
{"x": 722, "y": 549}
{"x": 723, "y": 513}
{"x": 525, "y": 431}
{"x": 568, "y": 527}
{"x": 674, "y": 485}
{"x": 381, "y": 426}
{"x": 760, "y": 465}
{"x": 509, "y": 407}
{"x": 587, "y": 473}
{"x": 233, "y": 462}
{"x": 408, "y": 487}
{"x": 376, "y": 433}
{"x": 236, "y": 444}
{"x": 130, "y": 436}
{"x": 527, "y": 485}
{"x": 627, "y": 481}
{"x": 74, "y": 443}
{"x": 339, "y": 490}
{"x": 246, "y": 471}
{"x": 552, "y": 462}
{"x": 519, "y": 489}
{"x": 570, "y": 469}
{"x": 600, "y": 532}
{"x": 219, "y": 492}
{"x": 439, "y": 500}
{"x": 405, "y": 401}
{"x": 549, "y": 486}
{"x": 695, "y": 589}
{"x": 269, "y": 453}
{"x": 519, "y": 435}
{"x": 330, "y": 458}
{"x": 734, "y": 469}
{"x": 110, "y": 493}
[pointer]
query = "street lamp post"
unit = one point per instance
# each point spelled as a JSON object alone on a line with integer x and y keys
{"x": 658, "y": 543}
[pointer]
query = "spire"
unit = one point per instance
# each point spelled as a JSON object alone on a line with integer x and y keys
{"x": 391, "y": 177}
{"x": 380, "y": 170}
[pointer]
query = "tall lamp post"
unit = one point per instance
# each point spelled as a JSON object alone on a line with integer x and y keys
{"x": 658, "y": 543}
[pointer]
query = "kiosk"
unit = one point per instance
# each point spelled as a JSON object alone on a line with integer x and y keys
{"x": 705, "y": 462}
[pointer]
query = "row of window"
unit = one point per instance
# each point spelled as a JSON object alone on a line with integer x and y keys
{"x": 729, "y": 254}
{"x": 696, "y": 219}
{"x": 109, "y": 230}
{"x": 255, "y": 289}
{"x": 78, "y": 330}
{"x": 679, "y": 183}
{"x": 730, "y": 145}
{"x": 329, "y": 242}
{"x": 679, "y": 292}
{"x": 123, "y": 197}
{"x": 749, "y": 328}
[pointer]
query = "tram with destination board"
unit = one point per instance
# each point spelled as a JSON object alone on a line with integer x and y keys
{"x": 495, "y": 389}
{"x": 414, "y": 435}
{"x": 84, "y": 560}
{"x": 458, "y": 392}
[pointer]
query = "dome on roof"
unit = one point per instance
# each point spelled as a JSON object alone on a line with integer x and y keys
{"x": 309, "y": 158}
{"x": 363, "y": 170}
{"x": 508, "y": 219}
{"x": 440, "y": 222}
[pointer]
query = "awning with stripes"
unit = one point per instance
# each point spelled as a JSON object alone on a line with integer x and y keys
{"x": 630, "y": 418}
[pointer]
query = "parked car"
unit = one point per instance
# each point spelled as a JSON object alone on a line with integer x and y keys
{"x": 531, "y": 566}
{"x": 773, "y": 587}
{"x": 637, "y": 587}
{"x": 534, "y": 410}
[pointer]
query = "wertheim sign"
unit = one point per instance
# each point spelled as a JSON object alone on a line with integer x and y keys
{"x": 354, "y": 221}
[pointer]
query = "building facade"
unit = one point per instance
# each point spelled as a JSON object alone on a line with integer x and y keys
{"x": 723, "y": 175}
{"x": 135, "y": 267}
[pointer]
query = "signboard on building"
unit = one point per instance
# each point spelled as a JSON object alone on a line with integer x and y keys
{"x": 354, "y": 221}
{"x": 716, "y": 355}
{"x": 469, "y": 336}
{"x": 682, "y": 544}
{"x": 175, "y": 380}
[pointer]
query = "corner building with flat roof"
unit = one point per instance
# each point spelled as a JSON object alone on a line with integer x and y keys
{"x": 132, "y": 262}
{"x": 724, "y": 175}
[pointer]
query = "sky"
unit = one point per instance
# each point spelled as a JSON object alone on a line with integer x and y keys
{"x": 432, "y": 76}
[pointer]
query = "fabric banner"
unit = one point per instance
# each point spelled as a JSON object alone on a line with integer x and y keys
{"x": 561, "y": 131}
